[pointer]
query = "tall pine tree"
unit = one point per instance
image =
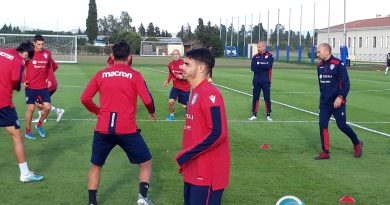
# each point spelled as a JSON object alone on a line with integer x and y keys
{"x": 92, "y": 28}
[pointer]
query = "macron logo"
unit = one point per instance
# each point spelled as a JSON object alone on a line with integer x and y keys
{"x": 6, "y": 55}
{"x": 117, "y": 74}
{"x": 212, "y": 98}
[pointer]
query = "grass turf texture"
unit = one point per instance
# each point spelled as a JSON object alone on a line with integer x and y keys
{"x": 257, "y": 176}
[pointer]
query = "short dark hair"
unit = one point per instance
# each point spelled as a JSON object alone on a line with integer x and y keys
{"x": 203, "y": 55}
{"x": 121, "y": 50}
{"x": 26, "y": 47}
{"x": 38, "y": 37}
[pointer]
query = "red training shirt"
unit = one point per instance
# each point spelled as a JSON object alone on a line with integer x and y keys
{"x": 39, "y": 70}
{"x": 11, "y": 69}
{"x": 118, "y": 87}
{"x": 174, "y": 71}
{"x": 205, "y": 157}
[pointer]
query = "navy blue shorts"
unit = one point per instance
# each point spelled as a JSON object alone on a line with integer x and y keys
{"x": 179, "y": 95}
{"x": 9, "y": 117}
{"x": 32, "y": 95}
{"x": 38, "y": 99}
{"x": 133, "y": 144}
{"x": 201, "y": 195}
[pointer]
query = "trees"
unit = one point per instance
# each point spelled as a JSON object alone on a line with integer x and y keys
{"x": 150, "y": 32}
{"x": 141, "y": 30}
{"x": 91, "y": 22}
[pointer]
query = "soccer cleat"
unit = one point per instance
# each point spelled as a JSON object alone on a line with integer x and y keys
{"x": 41, "y": 131}
{"x": 322, "y": 155}
{"x": 30, "y": 136}
{"x": 143, "y": 200}
{"x": 31, "y": 177}
{"x": 170, "y": 118}
{"x": 60, "y": 113}
{"x": 269, "y": 118}
{"x": 252, "y": 118}
{"x": 358, "y": 149}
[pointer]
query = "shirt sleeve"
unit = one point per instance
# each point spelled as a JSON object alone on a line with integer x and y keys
{"x": 343, "y": 80}
{"x": 144, "y": 94}
{"x": 170, "y": 76}
{"x": 54, "y": 65}
{"x": 211, "y": 109}
{"x": 88, "y": 94}
{"x": 254, "y": 66}
{"x": 269, "y": 63}
{"x": 50, "y": 70}
{"x": 17, "y": 76}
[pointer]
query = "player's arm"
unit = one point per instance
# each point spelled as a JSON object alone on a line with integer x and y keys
{"x": 17, "y": 77}
{"x": 87, "y": 96}
{"x": 50, "y": 71}
{"x": 145, "y": 95}
{"x": 344, "y": 81}
{"x": 268, "y": 63}
{"x": 212, "y": 111}
{"x": 54, "y": 65}
{"x": 254, "y": 67}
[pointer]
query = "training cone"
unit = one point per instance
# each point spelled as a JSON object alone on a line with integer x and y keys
{"x": 265, "y": 146}
{"x": 347, "y": 200}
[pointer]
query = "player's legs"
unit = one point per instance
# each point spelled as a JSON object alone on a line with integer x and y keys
{"x": 29, "y": 114}
{"x": 194, "y": 195}
{"x": 138, "y": 153}
{"x": 171, "y": 103}
{"x": 183, "y": 99}
{"x": 101, "y": 147}
{"x": 266, "y": 87}
{"x": 324, "y": 116}
{"x": 17, "y": 143}
{"x": 255, "y": 100}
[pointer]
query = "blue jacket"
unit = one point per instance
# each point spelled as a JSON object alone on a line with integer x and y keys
{"x": 262, "y": 67}
{"x": 333, "y": 80}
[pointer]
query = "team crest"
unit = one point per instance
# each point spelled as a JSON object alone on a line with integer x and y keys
{"x": 266, "y": 57}
{"x": 45, "y": 55}
{"x": 34, "y": 62}
{"x": 212, "y": 98}
{"x": 332, "y": 66}
{"x": 194, "y": 98}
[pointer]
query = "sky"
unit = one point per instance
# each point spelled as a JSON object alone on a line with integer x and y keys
{"x": 171, "y": 15}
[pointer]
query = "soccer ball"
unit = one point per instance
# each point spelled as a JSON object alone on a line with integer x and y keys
{"x": 289, "y": 200}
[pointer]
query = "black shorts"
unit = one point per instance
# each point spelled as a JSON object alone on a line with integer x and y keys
{"x": 38, "y": 99}
{"x": 32, "y": 95}
{"x": 179, "y": 95}
{"x": 133, "y": 144}
{"x": 9, "y": 117}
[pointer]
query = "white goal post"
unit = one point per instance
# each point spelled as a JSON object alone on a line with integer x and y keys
{"x": 62, "y": 47}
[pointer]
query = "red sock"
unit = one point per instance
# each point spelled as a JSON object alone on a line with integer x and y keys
{"x": 28, "y": 130}
{"x": 39, "y": 124}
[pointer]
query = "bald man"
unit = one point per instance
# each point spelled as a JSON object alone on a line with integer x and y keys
{"x": 261, "y": 67}
{"x": 334, "y": 87}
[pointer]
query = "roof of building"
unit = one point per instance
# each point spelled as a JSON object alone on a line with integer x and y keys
{"x": 365, "y": 23}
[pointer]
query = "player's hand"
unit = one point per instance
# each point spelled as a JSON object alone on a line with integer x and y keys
{"x": 48, "y": 84}
{"x": 153, "y": 117}
{"x": 166, "y": 83}
{"x": 180, "y": 170}
{"x": 25, "y": 84}
{"x": 337, "y": 102}
{"x": 180, "y": 77}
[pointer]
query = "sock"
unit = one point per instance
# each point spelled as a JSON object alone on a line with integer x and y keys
{"x": 24, "y": 169}
{"x": 268, "y": 114}
{"x": 53, "y": 109}
{"x": 92, "y": 197}
{"x": 28, "y": 130}
{"x": 172, "y": 114}
{"x": 254, "y": 114}
{"x": 39, "y": 124}
{"x": 387, "y": 69}
{"x": 143, "y": 189}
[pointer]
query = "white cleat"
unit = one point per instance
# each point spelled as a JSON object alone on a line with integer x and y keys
{"x": 60, "y": 113}
{"x": 31, "y": 177}
{"x": 269, "y": 118}
{"x": 143, "y": 201}
{"x": 252, "y": 118}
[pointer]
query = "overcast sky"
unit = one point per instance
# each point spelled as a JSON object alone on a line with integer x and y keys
{"x": 170, "y": 15}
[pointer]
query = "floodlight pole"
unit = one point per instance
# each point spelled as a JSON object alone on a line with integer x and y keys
{"x": 244, "y": 35}
{"x": 231, "y": 35}
{"x": 238, "y": 33}
{"x": 328, "y": 22}
{"x": 289, "y": 21}
{"x": 226, "y": 31}
{"x": 300, "y": 39}
{"x": 251, "y": 26}
{"x": 268, "y": 31}
{"x": 220, "y": 28}
{"x": 259, "y": 26}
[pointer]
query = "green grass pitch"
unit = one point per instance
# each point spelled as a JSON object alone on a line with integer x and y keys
{"x": 257, "y": 176}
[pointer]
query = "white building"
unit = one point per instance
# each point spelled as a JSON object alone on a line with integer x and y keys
{"x": 367, "y": 40}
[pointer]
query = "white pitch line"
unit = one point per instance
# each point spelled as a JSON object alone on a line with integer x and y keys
{"x": 290, "y": 106}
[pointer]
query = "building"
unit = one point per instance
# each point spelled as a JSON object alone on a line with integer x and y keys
{"x": 367, "y": 40}
{"x": 161, "y": 46}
